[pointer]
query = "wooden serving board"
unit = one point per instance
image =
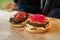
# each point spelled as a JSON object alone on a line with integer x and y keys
{"x": 11, "y": 33}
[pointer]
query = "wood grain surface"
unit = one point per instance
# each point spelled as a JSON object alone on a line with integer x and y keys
{"x": 11, "y": 33}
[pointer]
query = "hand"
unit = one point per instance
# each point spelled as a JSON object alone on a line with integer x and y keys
{"x": 15, "y": 6}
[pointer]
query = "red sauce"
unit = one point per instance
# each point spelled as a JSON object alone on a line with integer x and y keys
{"x": 38, "y": 18}
{"x": 20, "y": 16}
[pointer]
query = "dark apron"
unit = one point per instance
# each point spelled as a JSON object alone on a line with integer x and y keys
{"x": 34, "y": 6}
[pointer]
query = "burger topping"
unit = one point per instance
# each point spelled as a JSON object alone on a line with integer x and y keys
{"x": 37, "y": 18}
{"x": 18, "y": 18}
{"x": 34, "y": 28}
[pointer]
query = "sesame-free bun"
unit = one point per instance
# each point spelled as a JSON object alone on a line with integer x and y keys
{"x": 38, "y": 30}
{"x": 17, "y": 25}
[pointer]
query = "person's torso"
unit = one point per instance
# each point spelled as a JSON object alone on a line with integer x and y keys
{"x": 29, "y": 5}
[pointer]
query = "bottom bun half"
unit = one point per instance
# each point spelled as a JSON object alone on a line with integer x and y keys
{"x": 17, "y": 25}
{"x": 38, "y": 31}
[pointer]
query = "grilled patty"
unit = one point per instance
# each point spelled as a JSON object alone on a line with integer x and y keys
{"x": 38, "y": 25}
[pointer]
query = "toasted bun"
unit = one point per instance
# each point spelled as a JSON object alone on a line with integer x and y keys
{"x": 40, "y": 30}
{"x": 17, "y": 25}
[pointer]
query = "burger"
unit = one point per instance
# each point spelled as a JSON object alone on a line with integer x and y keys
{"x": 37, "y": 23}
{"x": 18, "y": 20}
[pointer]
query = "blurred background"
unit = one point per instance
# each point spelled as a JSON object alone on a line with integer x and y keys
{"x": 6, "y": 5}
